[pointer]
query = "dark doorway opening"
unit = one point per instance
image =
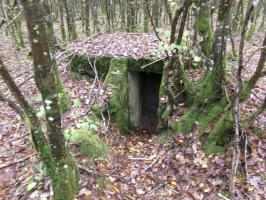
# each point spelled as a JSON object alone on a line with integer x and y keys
{"x": 149, "y": 90}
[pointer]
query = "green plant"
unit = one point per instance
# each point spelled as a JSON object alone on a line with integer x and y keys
{"x": 164, "y": 137}
{"x": 102, "y": 182}
{"x": 91, "y": 144}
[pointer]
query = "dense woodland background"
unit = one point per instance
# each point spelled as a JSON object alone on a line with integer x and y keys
{"x": 209, "y": 142}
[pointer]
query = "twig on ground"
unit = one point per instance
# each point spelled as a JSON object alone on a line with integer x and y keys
{"x": 132, "y": 158}
{"x": 222, "y": 196}
{"x": 28, "y": 193}
{"x": 155, "y": 189}
{"x": 245, "y": 154}
{"x": 153, "y": 163}
{"x": 94, "y": 172}
{"x": 17, "y": 161}
{"x": 173, "y": 190}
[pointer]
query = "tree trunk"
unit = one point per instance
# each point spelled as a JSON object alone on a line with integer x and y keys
{"x": 62, "y": 23}
{"x": 72, "y": 33}
{"x": 209, "y": 104}
{"x": 49, "y": 25}
{"x": 131, "y": 16}
{"x": 65, "y": 180}
{"x": 146, "y": 19}
{"x": 204, "y": 27}
{"x": 87, "y": 16}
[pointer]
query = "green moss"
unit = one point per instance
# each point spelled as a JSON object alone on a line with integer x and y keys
{"x": 187, "y": 121}
{"x": 219, "y": 138}
{"x": 91, "y": 145}
{"x": 102, "y": 182}
{"x": 164, "y": 137}
{"x": 210, "y": 114}
{"x": 118, "y": 104}
{"x": 63, "y": 98}
{"x": 204, "y": 28}
{"x": 250, "y": 33}
{"x": 80, "y": 66}
{"x": 181, "y": 75}
{"x": 246, "y": 90}
{"x": 204, "y": 115}
{"x": 98, "y": 110}
{"x": 94, "y": 147}
{"x": 66, "y": 179}
{"x": 209, "y": 89}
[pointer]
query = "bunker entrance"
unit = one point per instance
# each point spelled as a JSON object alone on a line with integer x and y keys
{"x": 144, "y": 99}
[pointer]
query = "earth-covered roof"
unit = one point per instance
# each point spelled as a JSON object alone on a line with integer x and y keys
{"x": 119, "y": 44}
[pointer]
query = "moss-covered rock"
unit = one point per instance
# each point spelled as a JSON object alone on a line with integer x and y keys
{"x": 80, "y": 65}
{"x": 91, "y": 146}
{"x": 118, "y": 103}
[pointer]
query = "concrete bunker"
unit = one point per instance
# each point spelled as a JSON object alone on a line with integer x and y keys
{"x": 134, "y": 101}
{"x": 134, "y": 77}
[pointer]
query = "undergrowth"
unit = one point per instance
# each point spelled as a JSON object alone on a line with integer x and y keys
{"x": 91, "y": 145}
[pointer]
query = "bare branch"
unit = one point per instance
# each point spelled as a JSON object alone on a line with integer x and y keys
{"x": 13, "y": 6}
{"x": 151, "y": 19}
{"x": 14, "y": 89}
{"x": 11, "y": 22}
{"x": 236, "y": 103}
{"x": 12, "y": 104}
{"x": 253, "y": 53}
{"x": 178, "y": 12}
{"x": 168, "y": 10}
{"x": 259, "y": 70}
{"x": 187, "y": 4}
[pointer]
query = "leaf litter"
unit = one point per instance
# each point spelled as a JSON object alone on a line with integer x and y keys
{"x": 139, "y": 166}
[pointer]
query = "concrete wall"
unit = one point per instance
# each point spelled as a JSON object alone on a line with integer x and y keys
{"x": 134, "y": 97}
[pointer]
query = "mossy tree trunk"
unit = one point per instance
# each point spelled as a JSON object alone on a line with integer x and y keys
{"x": 204, "y": 27}
{"x": 156, "y": 12}
{"x": 9, "y": 15}
{"x": 18, "y": 27}
{"x": 63, "y": 98}
{"x": 49, "y": 25}
{"x": 94, "y": 12}
{"x": 253, "y": 23}
{"x": 62, "y": 169}
{"x": 174, "y": 86}
{"x": 211, "y": 89}
{"x": 210, "y": 105}
{"x": 122, "y": 11}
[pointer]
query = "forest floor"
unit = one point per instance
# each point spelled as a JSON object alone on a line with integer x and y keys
{"x": 141, "y": 165}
